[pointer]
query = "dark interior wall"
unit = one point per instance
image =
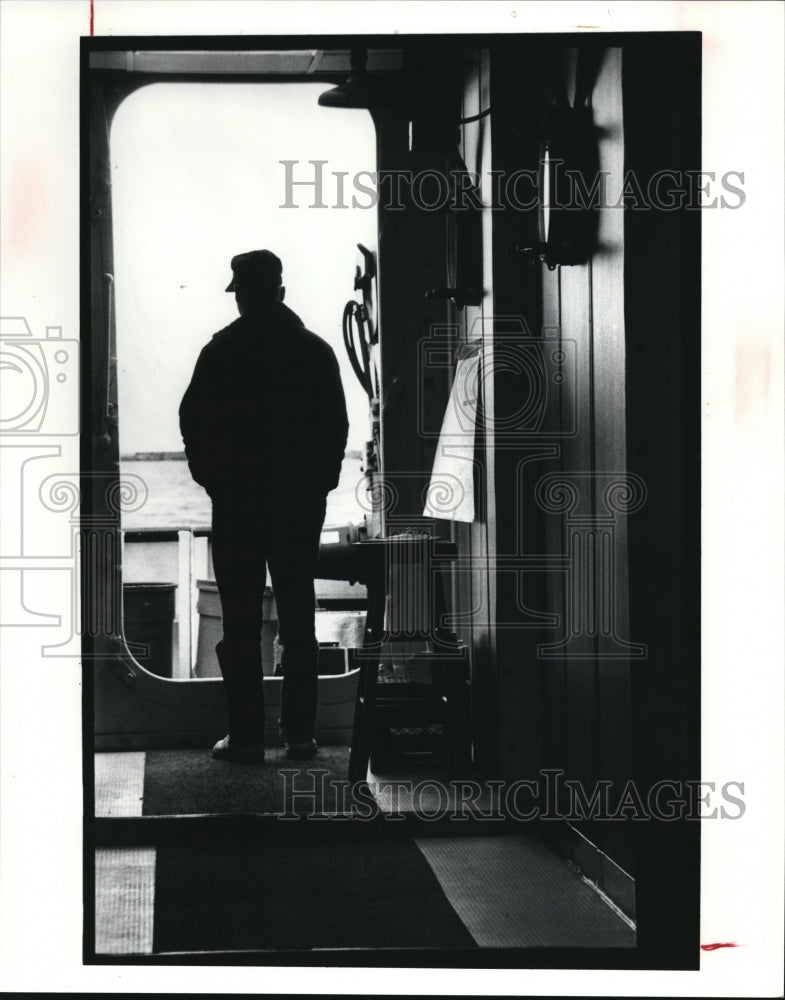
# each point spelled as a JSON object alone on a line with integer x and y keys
{"x": 514, "y": 749}
{"x": 587, "y": 691}
{"x": 625, "y": 705}
{"x": 662, "y": 111}
{"x": 564, "y": 673}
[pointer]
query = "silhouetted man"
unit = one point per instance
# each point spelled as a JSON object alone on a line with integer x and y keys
{"x": 265, "y": 427}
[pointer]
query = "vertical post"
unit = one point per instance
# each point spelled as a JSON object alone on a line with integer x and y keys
{"x": 183, "y": 662}
{"x": 200, "y": 570}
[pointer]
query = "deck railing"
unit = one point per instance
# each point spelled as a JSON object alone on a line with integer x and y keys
{"x": 189, "y": 559}
{"x": 182, "y": 556}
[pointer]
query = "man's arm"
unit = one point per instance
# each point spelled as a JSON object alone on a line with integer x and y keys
{"x": 195, "y": 421}
{"x": 335, "y": 423}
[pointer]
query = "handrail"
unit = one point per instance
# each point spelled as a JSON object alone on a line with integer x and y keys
{"x": 186, "y": 596}
{"x": 186, "y": 599}
{"x": 162, "y": 534}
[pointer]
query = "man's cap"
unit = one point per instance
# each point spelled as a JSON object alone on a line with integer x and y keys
{"x": 257, "y": 267}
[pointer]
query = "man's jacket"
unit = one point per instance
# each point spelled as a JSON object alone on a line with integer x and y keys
{"x": 265, "y": 403}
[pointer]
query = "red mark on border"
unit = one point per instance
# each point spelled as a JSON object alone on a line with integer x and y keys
{"x": 92, "y": 18}
{"x": 719, "y": 944}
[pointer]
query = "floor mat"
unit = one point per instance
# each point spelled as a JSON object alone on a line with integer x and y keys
{"x": 119, "y": 784}
{"x": 181, "y": 782}
{"x": 374, "y": 894}
{"x": 124, "y": 888}
{"x": 513, "y": 892}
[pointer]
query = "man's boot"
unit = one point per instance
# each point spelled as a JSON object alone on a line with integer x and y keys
{"x": 245, "y": 705}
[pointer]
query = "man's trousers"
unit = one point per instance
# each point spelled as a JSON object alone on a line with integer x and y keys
{"x": 281, "y": 530}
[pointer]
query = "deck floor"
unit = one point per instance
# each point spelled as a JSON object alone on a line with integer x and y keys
{"x": 508, "y": 891}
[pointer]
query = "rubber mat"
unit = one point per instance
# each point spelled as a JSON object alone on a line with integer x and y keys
{"x": 512, "y": 892}
{"x": 124, "y": 886}
{"x": 374, "y": 894}
{"x": 119, "y": 783}
{"x": 182, "y": 782}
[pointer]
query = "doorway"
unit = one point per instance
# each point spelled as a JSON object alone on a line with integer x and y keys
{"x": 200, "y": 172}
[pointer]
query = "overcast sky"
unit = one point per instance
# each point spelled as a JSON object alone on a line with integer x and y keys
{"x": 197, "y": 179}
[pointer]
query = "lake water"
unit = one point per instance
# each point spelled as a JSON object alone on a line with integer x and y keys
{"x": 173, "y": 499}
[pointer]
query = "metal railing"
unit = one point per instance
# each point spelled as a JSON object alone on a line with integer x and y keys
{"x": 191, "y": 561}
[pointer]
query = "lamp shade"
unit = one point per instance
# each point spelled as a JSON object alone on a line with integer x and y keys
{"x": 359, "y": 89}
